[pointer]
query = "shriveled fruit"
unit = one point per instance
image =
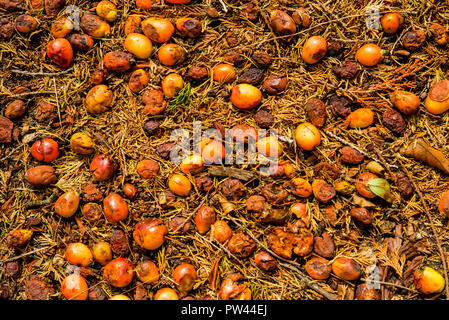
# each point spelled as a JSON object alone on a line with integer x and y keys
{"x": 79, "y": 254}
{"x": 150, "y": 233}
{"x": 282, "y": 23}
{"x": 94, "y": 26}
{"x": 185, "y": 275}
{"x": 275, "y": 84}
{"x": 74, "y": 287}
{"x": 265, "y": 261}
{"x": 25, "y": 23}
{"x": 132, "y": 23}
{"x": 300, "y": 187}
{"x": 179, "y": 184}
{"x": 302, "y": 17}
{"x": 324, "y": 246}
{"x": 346, "y": 268}
{"x": 323, "y": 191}
{"x": 119, "y": 272}
{"x": 81, "y": 143}
{"x": 361, "y": 216}
{"x": 413, "y": 39}
{"x": 366, "y": 292}
{"x": 318, "y": 268}
{"x": 316, "y": 110}
{"x": 53, "y": 7}
{"x": 67, "y": 204}
{"x": 62, "y": 27}
{"x": 406, "y": 102}
{"x": 115, "y": 208}
{"x": 99, "y": 99}
{"x": 188, "y": 27}
{"x": 81, "y": 42}
{"x": 45, "y": 150}
{"x": 147, "y": 168}
{"x": 138, "y": 80}
{"x": 18, "y": 238}
{"x": 118, "y": 61}
{"x": 314, "y": 49}
{"x": 241, "y": 245}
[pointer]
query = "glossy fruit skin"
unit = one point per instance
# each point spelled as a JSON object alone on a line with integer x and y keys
{"x": 150, "y": 233}
{"x": 45, "y": 150}
{"x": 81, "y": 143}
{"x": 147, "y": 168}
{"x": 62, "y": 27}
{"x": 102, "y": 252}
{"x": 74, "y": 287}
{"x": 315, "y": 48}
{"x": 94, "y": 26}
{"x": 185, "y": 275}
{"x": 428, "y": 280}
{"x": 360, "y": 118}
{"x": 362, "y": 187}
{"x": 212, "y": 151}
{"x": 99, "y": 99}
{"x": 144, "y": 4}
{"x": 106, "y": 10}
{"x": 346, "y": 268}
{"x": 67, "y": 204}
{"x": 192, "y": 164}
{"x": 138, "y": 45}
{"x": 369, "y": 55}
{"x": 129, "y": 190}
{"x": 119, "y": 272}
{"x": 270, "y": 147}
{"x": 443, "y": 205}
{"x": 41, "y": 176}
{"x": 221, "y": 231}
{"x": 158, "y": 30}
{"x": 102, "y": 167}
{"x": 406, "y": 102}
{"x": 245, "y": 96}
{"x": 60, "y": 52}
{"x": 115, "y": 208}
{"x": 391, "y": 22}
{"x": 318, "y": 268}
{"x": 265, "y": 261}
{"x": 437, "y": 101}
{"x": 188, "y": 27}
{"x": 79, "y": 254}
{"x": 299, "y": 209}
{"x": 179, "y": 185}
{"x": 282, "y": 23}
{"x": 172, "y": 84}
{"x": 204, "y": 219}
{"x": 147, "y": 272}
{"x": 224, "y": 73}
{"x": 171, "y": 54}
{"x": 166, "y": 294}
{"x": 307, "y": 136}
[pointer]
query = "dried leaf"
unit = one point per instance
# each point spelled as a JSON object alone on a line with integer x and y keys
{"x": 381, "y": 188}
{"x": 362, "y": 202}
{"x": 214, "y": 279}
{"x": 421, "y": 151}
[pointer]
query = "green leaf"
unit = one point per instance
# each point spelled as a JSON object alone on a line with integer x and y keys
{"x": 381, "y": 188}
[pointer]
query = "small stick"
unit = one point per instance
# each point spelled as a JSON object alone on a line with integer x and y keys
{"x": 18, "y": 95}
{"x": 29, "y": 73}
{"x": 225, "y": 8}
{"x": 25, "y": 254}
{"x": 231, "y": 172}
